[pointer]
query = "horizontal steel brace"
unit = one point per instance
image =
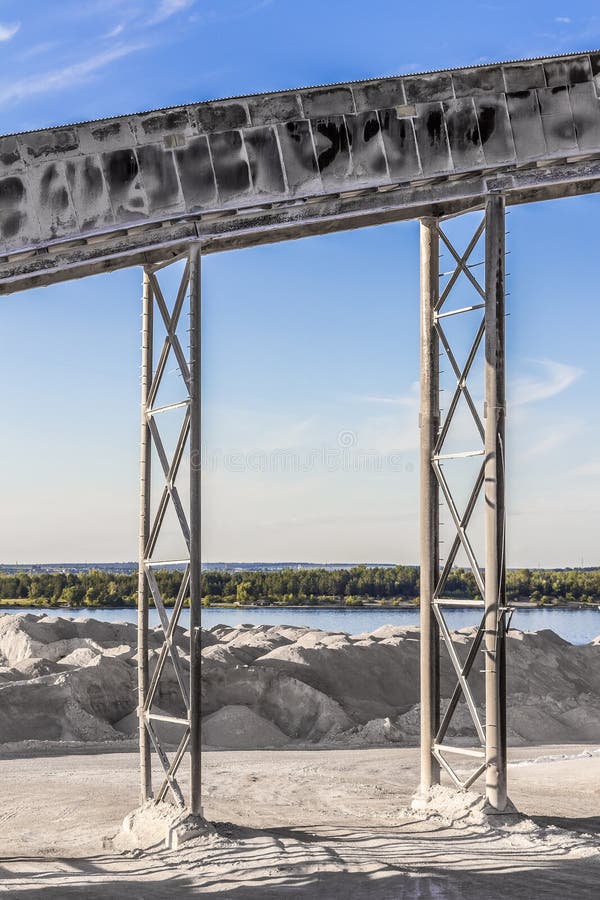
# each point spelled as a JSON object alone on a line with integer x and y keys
{"x": 174, "y": 720}
{"x": 169, "y": 406}
{"x": 461, "y": 785}
{"x": 155, "y": 563}
{"x": 464, "y": 454}
{"x": 460, "y": 751}
{"x": 448, "y": 768}
{"x": 457, "y": 312}
{"x": 449, "y": 601}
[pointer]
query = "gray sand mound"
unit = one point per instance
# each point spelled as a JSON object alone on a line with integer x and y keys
{"x": 238, "y": 728}
{"x": 268, "y": 686}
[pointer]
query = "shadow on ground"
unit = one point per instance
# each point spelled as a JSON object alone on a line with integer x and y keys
{"x": 579, "y": 824}
{"x": 433, "y": 863}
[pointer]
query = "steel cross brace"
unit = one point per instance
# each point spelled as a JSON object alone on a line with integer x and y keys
{"x": 151, "y": 527}
{"x": 489, "y": 479}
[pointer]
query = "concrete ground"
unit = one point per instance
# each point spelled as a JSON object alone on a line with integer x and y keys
{"x": 314, "y": 824}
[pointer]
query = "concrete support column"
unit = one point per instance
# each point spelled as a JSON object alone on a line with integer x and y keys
{"x": 195, "y": 513}
{"x": 429, "y": 502}
{"x": 495, "y": 561}
{"x": 144, "y": 523}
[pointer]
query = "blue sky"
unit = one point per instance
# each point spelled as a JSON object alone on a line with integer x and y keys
{"x": 310, "y": 347}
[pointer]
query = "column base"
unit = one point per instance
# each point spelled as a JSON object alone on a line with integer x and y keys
{"x": 158, "y": 826}
{"x": 463, "y": 808}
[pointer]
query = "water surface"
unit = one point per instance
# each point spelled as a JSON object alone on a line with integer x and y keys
{"x": 579, "y": 626}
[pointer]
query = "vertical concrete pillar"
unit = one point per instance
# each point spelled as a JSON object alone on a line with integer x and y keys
{"x": 429, "y": 502}
{"x": 195, "y": 513}
{"x": 495, "y": 562}
{"x": 144, "y": 523}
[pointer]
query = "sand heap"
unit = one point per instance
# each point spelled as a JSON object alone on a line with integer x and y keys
{"x": 75, "y": 680}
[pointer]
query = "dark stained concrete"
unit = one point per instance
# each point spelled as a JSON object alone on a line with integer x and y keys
{"x": 274, "y": 166}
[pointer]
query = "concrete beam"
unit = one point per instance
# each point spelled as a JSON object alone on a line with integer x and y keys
{"x": 249, "y": 170}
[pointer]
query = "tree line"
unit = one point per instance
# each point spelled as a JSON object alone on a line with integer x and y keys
{"x": 353, "y": 586}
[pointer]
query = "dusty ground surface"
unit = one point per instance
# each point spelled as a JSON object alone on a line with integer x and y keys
{"x": 314, "y": 770}
{"x": 316, "y": 824}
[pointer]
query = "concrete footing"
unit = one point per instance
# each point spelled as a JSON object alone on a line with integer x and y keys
{"x": 159, "y": 826}
{"x": 462, "y": 808}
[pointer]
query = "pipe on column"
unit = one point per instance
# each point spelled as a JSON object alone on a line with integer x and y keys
{"x": 195, "y": 513}
{"x": 495, "y": 562}
{"x": 144, "y": 523}
{"x": 429, "y": 502}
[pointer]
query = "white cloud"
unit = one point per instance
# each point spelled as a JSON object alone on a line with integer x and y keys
{"x": 409, "y": 400}
{"x": 388, "y": 434}
{"x": 553, "y": 379}
{"x": 385, "y": 400}
{"x": 37, "y": 50}
{"x": 256, "y": 7}
{"x": 8, "y": 31}
{"x": 588, "y": 469}
{"x": 168, "y": 8}
{"x": 246, "y": 430}
{"x": 216, "y": 16}
{"x": 560, "y": 434}
{"x": 563, "y": 20}
{"x": 115, "y": 32}
{"x": 58, "y": 79}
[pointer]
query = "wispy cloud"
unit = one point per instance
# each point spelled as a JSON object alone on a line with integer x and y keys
{"x": 587, "y": 470}
{"x": 8, "y": 31}
{"x": 59, "y": 79}
{"x": 115, "y": 32}
{"x": 218, "y": 16}
{"x": 555, "y": 437}
{"x": 387, "y": 434}
{"x": 563, "y": 20}
{"x": 412, "y": 67}
{"x": 553, "y": 378}
{"x": 256, "y": 7}
{"x": 341, "y": 519}
{"x": 36, "y": 50}
{"x": 408, "y": 400}
{"x": 168, "y": 8}
{"x": 384, "y": 400}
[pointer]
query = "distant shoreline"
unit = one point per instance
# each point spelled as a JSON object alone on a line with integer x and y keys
{"x": 359, "y": 587}
{"x": 370, "y": 607}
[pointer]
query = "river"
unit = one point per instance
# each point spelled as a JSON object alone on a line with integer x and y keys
{"x": 579, "y": 626}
